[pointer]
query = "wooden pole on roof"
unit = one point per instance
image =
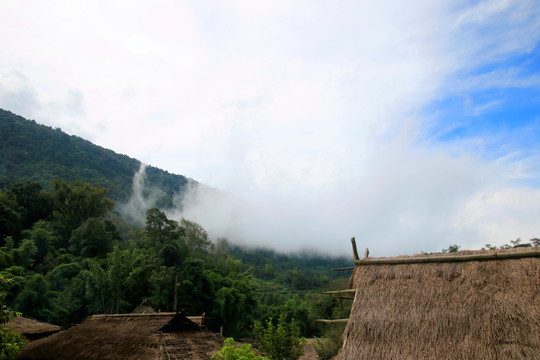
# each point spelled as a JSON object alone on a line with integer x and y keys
{"x": 343, "y": 269}
{"x": 354, "y": 250}
{"x": 342, "y": 294}
{"x": 333, "y": 321}
{"x": 450, "y": 258}
{"x": 176, "y": 293}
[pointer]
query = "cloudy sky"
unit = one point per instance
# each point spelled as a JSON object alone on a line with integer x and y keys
{"x": 411, "y": 125}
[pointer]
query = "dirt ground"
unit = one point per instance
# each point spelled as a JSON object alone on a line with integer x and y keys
{"x": 309, "y": 351}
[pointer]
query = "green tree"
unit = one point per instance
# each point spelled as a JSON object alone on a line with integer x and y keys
{"x": 10, "y": 341}
{"x": 281, "y": 341}
{"x": 229, "y": 351}
{"x": 159, "y": 229}
{"x": 34, "y": 203}
{"x": 97, "y": 288}
{"x": 35, "y": 299}
{"x": 197, "y": 240}
{"x": 91, "y": 239}
{"x": 76, "y": 202}
{"x": 10, "y": 218}
{"x": 43, "y": 237}
{"x": 451, "y": 249}
{"x": 162, "y": 288}
{"x": 234, "y": 303}
{"x": 196, "y": 290}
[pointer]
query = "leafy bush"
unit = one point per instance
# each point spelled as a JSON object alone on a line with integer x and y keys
{"x": 10, "y": 341}
{"x": 281, "y": 342}
{"x": 328, "y": 346}
{"x": 229, "y": 351}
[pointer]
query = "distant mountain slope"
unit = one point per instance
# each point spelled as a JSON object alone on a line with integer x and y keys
{"x": 30, "y": 151}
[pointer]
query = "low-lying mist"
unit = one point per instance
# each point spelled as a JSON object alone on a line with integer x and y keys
{"x": 410, "y": 201}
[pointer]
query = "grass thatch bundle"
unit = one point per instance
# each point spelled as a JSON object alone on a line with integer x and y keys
{"x": 32, "y": 329}
{"x": 446, "y": 310}
{"x": 132, "y": 336}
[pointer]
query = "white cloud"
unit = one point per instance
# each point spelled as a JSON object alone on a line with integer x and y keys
{"x": 17, "y": 93}
{"x": 500, "y": 215}
{"x": 307, "y": 111}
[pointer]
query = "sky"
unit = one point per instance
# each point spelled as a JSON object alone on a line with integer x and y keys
{"x": 410, "y": 125}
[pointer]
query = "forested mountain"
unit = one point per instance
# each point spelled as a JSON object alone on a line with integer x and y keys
{"x": 34, "y": 152}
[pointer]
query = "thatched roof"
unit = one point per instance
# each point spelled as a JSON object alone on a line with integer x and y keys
{"x": 132, "y": 336}
{"x": 469, "y": 309}
{"x": 31, "y": 328}
{"x": 144, "y": 308}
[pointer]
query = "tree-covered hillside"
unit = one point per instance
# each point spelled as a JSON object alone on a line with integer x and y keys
{"x": 34, "y": 152}
{"x": 65, "y": 258}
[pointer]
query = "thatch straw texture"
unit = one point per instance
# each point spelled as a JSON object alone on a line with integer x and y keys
{"x": 445, "y": 310}
{"x": 32, "y": 329}
{"x": 134, "y": 336}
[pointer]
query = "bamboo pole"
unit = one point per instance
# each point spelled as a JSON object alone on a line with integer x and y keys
{"x": 355, "y": 251}
{"x": 449, "y": 258}
{"x": 344, "y": 269}
{"x": 342, "y": 294}
{"x": 345, "y": 291}
{"x": 334, "y": 321}
{"x": 176, "y": 293}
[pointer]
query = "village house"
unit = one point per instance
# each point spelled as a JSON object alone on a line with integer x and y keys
{"x": 464, "y": 305}
{"x": 147, "y": 336}
{"x": 32, "y": 329}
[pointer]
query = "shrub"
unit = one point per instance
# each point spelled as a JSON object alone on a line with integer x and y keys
{"x": 281, "y": 342}
{"x": 328, "y": 346}
{"x": 229, "y": 351}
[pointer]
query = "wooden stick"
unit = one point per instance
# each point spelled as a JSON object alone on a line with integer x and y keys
{"x": 344, "y": 269}
{"x": 355, "y": 252}
{"x": 449, "y": 258}
{"x": 326, "y": 321}
{"x": 345, "y": 291}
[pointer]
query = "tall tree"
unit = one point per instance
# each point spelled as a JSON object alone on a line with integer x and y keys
{"x": 76, "y": 202}
{"x": 10, "y": 218}
{"x": 91, "y": 239}
{"x": 34, "y": 203}
{"x": 159, "y": 229}
{"x": 197, "y": 240}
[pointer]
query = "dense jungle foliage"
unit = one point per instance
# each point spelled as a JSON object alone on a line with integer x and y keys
{"x": 66, "y": 259}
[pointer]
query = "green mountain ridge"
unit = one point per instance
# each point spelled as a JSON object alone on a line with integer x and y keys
{"x": 33, "y": 152}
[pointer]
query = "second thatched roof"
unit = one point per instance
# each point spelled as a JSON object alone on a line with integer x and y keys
{"x": 443, "y": 309}
{"x": 131, "y": 336}
{"x": 32, "y": 329}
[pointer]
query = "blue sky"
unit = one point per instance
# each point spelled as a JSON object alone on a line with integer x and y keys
{"x": 409, "y": 125}
{"x": 499, "y": 117}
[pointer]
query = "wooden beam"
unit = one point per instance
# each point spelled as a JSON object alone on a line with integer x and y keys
{"x": 492, "y": 255}
{"x": 334, "y": 321}
{"x": 345, "y": 291}
{"x": 355, "y": 251}
{"x": 342, "y": 294}
{"x": 344, "y": 269}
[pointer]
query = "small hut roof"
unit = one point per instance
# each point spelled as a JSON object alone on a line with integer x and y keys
{"x": 131, "y": 336}
{"x": 444, "y": 309}
{"x": 31, "y": 327}
{"x": 144, "y": 308}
